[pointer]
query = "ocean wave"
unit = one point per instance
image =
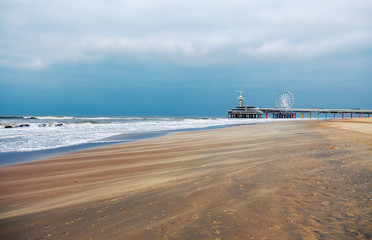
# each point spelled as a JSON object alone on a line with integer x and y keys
{"x": 47, "y": 117}
{"x": 11, "y": 117}
{"x": 109, "y": 118}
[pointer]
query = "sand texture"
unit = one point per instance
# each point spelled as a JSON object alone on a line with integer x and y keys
{"x": 286, "y": 180}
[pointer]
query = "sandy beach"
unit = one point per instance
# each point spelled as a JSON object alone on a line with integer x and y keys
{"x": 282, "y": 180}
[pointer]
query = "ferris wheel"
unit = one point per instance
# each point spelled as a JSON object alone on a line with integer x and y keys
{"x": 285, "y": 100}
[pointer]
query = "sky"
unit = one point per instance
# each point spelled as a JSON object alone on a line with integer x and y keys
{"x": 182, "y": 58}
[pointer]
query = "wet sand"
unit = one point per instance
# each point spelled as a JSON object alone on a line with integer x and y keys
{"x": 285, "y": 180}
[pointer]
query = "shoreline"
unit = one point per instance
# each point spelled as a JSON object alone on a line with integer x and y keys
{"x": 12, "y": 158}
{"x": 281, "y": 180}
{"x": 44, "y": 136}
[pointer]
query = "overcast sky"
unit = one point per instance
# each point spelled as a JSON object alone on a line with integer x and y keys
{"x": 163, "y": 57}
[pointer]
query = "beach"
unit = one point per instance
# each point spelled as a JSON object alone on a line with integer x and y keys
{"x": 280, "y": 180}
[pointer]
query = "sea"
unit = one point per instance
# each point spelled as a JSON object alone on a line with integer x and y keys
{"x": 29, "y": 138}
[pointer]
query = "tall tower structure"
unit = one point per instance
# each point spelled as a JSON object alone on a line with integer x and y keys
{"x": 240, "y": 98}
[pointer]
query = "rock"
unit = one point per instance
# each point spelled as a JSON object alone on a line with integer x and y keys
{"x": 16, "y": 126}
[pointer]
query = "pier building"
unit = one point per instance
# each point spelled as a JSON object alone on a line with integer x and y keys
{"x": 242, "y": 111}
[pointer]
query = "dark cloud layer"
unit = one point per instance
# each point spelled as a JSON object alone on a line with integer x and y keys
{"x": 146, "y": 55}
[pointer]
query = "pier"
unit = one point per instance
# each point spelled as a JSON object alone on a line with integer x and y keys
{"x": 285, "y": 109}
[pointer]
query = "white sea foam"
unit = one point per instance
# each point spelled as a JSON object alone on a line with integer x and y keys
{"x": 43, "y": 133}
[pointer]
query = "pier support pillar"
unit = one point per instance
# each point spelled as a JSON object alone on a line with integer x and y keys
{"x": 342, "y": 116}
{"x": 351, "y": 116}
{"x": 334, "y": 116}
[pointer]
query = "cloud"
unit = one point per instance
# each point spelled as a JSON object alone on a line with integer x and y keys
{"x": 37, "y": 34}
{"x": 308, "y": 49}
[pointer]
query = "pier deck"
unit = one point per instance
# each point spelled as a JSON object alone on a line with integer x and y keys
{"x": 316, "y": 110}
